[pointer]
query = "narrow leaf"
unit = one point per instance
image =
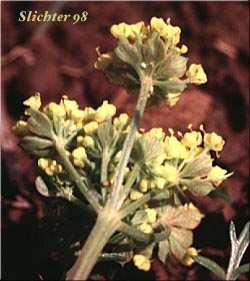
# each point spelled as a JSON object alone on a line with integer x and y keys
{"x": 240, "y": 270}
{"x": 210, "y": 265}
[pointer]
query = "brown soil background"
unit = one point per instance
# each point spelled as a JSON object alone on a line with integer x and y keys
{"x": 58, "y": 59}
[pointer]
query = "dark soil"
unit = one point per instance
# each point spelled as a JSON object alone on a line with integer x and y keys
{"x": 57, "y": 58}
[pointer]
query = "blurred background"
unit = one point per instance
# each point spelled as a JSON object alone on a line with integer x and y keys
{"x": 57, "y": 58}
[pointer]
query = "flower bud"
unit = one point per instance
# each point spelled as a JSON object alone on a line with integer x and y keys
{"x": 104, "y": 112}
{"x": 213, "y": 141}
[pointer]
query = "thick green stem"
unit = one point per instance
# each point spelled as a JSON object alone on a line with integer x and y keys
{"x": 115, "y": 201}
{"x": 107, "y": 223}
{"x": 75, "y": 176}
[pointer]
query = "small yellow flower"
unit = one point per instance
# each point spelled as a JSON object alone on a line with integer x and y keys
{"x": 188, "y": 260}
{"x": 192, "y": 139}
{"x": 137, "y": 28}
{"x": 123, "y": 119}
{"x": 160, "y": 182}
{"x": 143, "y": 185}
{"x": 182, "y": 50}
{"x": 172, "y": 174}
{"x": 121, "y": 29}
{"x": 146, "y": 228}
{"x": 69, "y": 105}
{"x": 88, "y": 141}
{"x": 172, "y": 98}
{"x": 90, "y": 127}
{"x": 51, "y": 167}
{"x": 141, "y": 262}
{"x": 214, "y": 141}
{"x": 135, "y": 194}
{"x": 104, "y": 60}
{"x": 43, "y": 163}
{"x": 159, "y": 25}
{"x": 174, "y": 148}
{"x": 20, "y": 129}
{"x": 152, "y": 213}
{"x": 33, "y": 102}
{"x": 77, "y": 114}
{"x": 156, "y": 132}
{"x": 196, "y": 74}
{"x": 104, "y": 112}
{"x": 54, "y": 109}
{"x": 79, "y": 156}
{"x": 217, "y": 175}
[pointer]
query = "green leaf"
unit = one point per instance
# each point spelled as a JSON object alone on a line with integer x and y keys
{"x": 153, "y": 49}
{"x": 163, "y": 250}
{"x": 129, "y": 53}
{"x": 37, "y": 146}
{"x": 29, "y": 143}
{"x": 240, "y": 270}
{"x": 171, "y": 66}
{"x": 198, "y": 167}
{"x": 43, "y": 188}
{"x": 176, "y": 248}
{"x": 139, "y": 217}
{"x": 40, "y": 124}
{"x": 105, "y": 133}
{"x": 170, "y": 86}
{"x": 210, "y": 265}
{"x": 197, "y": 187}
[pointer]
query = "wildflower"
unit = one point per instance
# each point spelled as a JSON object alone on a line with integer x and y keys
{"x": 104, "y": 112}
{"x": 104, "y": 60}
{"x": 173, "y": 147}
{"x": 172, "y": 98}
{"x": 213, "y": 141}
{"x": 33, "y": 102}
{"x": 69, "y": 105}
{"x": 217, "y": 175}
{"x": 21, "y": 128}
{"x": 121, "y": 29}
{"x": 156, "y": 132}
{"x": 135, "y": 195}
{"x": 79, "y": 156}
{"x": 51, "y": 167}
{"x": 146, "y": 228}
{"x": 192, "y": 139}
{"x": 152, "y": 213}
{"x": 141, "y": 262}
{"x": 90, "y": 127}
{"x": 196, "y": 74}
{"x": 159, "y": 182}
{"x": 143, "y": 185}
{"x": 172, "y": 174}
{"x": 188, "y": 260}
{"x": 123, "y": 119}
{"x": 77, "y": 114}
{"x": 166, "y": 30}
{"x": 54, "y": 109}
{"x": 88, "y": 141}
{"x": 182, "y": 50}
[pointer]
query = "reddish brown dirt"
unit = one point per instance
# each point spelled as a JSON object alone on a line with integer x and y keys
{"x": 58, "y": 59}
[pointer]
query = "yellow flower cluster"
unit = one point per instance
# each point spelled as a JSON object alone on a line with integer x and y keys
{"x": 51, "y": 167}
{"x": 141, "y": 262}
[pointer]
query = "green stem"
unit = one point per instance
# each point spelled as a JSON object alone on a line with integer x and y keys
{"x": 107, "y": 223}
{"x": 75, "y": 176}
{"x": 126, "y": 210}
{"x": 115, "y": 201}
